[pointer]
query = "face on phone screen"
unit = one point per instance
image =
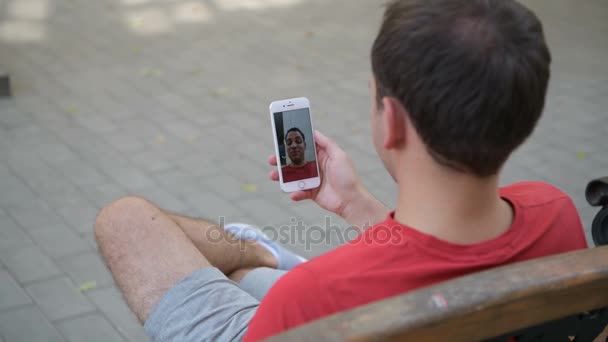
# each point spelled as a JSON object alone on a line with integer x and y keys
{"x": 297, "y": 156}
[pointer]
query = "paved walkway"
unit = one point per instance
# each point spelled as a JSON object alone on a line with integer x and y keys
{"x": 168, "y": 100}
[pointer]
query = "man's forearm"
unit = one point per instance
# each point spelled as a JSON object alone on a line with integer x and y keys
{"x": 364, "y": 210}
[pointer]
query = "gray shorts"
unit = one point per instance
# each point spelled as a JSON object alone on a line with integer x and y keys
{"x": 207, "y": 306}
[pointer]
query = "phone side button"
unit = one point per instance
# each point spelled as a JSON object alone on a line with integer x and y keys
{"x": 301, "y": 184}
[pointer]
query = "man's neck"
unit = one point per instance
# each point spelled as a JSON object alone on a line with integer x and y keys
{"x": 454, "y": 207}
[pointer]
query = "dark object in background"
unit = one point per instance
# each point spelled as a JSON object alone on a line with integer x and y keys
{"x": 5, "y": 84}
{"x": 597, "y": 195}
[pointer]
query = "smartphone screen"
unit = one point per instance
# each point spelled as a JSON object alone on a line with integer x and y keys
{"x": 296, "y": 146}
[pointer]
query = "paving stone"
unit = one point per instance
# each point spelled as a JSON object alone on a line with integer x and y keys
{"x": 255, "y": 172}
{"x": 183, "y": 130}
{"x": 58, "y": 241}
{"x": 17, "y": 195}
{"x": 163, "y": 198}
{"x": 126, "y": 175}
{"x": 30, "y": 135}
{"x": 54, "y": 190}
{"x": 149, "y": 160}
{"x": 112, "y": 304}
{"x": 35, "y": 216}
{"x": 123, "y": 142}
{"x": 170, "y": 148}
{"x": 11, "y": 115}
{"x": 27, "y": 324}
{"x": 5, "y": 172}
{"x": 96, "y": 123}
{"x": 226, "y": 185}
{"x": 28, "y": 264}
{"x": 104, "y": 193}
{"x": 80, "y": 172}
{"x": 264, "y": 212}
{"x": 80, "y": 216}
{"x": 211, "y": 206}
{"x": 11, "y": 236}
{"x": 59, "y": 298}
{"x": 89, "y": 328}
{"x": 147, "y": 132}
{"x": 178, "y": 181}
{"x": 56, "y": 153}
{"x": 86, "y": 267}
{"x": 11, "y": 294}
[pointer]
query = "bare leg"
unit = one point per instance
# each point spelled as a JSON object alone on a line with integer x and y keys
{"x": 221, "y": 249}
{"x": 146, "y": 251}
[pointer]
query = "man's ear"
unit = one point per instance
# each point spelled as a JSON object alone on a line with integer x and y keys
{"x": 394, "y": 120}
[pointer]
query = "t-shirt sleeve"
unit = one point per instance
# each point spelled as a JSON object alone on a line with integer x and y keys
{"x": 294, "y": 300}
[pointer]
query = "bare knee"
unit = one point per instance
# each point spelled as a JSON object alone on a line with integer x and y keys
{"x": 239, "y": 274}
{"x": 114, "y": 218}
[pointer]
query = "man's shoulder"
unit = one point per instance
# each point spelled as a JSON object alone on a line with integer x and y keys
{"x": 533, "y": 193}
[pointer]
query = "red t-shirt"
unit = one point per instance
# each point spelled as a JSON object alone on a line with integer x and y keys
{"x": 371, "y": 268}
{"x": 290, "y": 173}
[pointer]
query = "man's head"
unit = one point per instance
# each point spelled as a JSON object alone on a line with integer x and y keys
{"x": 469, "y": 77}
{"x": 296, "y": 145}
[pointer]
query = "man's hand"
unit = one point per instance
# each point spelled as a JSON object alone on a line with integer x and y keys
{"x": 341, "y": 191}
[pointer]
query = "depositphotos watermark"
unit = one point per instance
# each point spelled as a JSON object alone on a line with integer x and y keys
{"x": 301, "y": 234}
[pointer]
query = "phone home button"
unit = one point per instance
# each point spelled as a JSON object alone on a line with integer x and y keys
{"x": 301, "y": 184}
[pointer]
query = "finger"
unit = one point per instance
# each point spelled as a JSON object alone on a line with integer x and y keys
{"x": 324, "y": 142}
{"x": 274, "y": 175}
{"x": 321, "y": 139}
{"x": 272, "y": 160}
{"x": 299, "y": 196}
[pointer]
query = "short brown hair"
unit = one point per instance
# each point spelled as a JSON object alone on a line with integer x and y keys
{"x": 472, "y": 74}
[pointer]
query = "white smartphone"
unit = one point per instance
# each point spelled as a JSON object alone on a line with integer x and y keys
{"x": 294, "y": 144}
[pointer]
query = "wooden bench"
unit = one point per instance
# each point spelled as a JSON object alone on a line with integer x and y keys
{"x": 557, "y": 298}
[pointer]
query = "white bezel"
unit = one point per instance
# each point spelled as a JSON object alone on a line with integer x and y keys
{"x": 284, "y": 106}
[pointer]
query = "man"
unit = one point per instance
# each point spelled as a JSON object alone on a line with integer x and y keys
{"x": 457, "y": 85}
{"x": 299, "y": 168}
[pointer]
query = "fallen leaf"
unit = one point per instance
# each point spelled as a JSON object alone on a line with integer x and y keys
{"x": 136, "y": 51}
{"x": 89, "y": 285}
{"x": 71, "y": 110}
{"x": 145, "y": 72}
{"x": 299, "y": 67}
{"x": 249, "y": 188}
{"x": 219, "y": 92}
{"x": 161, "y": 139}
{"x": 581, "y": 155}
{"x": 309, "y": 34}
{"x": 148, "y": 72}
